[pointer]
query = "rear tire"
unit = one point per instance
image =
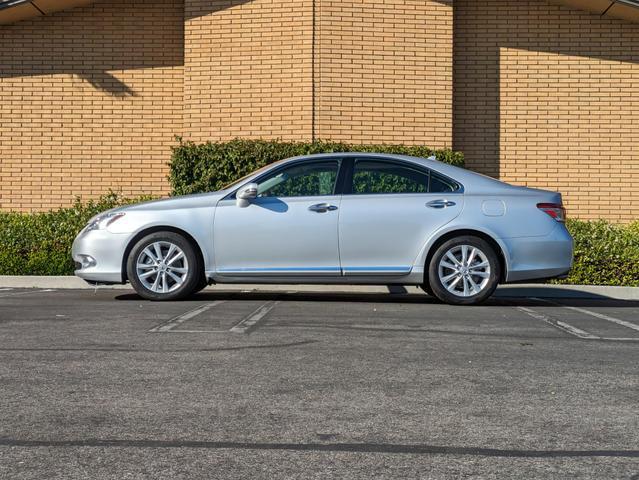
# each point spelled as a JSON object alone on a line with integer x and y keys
{"x": 164, "y": 266}
{"x": 464, "y": 271}
{"x": 426, "y": 287}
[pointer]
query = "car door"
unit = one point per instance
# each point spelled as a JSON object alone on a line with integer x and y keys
{"x": 388, "y": 211}
{"x": 290, "y": 229}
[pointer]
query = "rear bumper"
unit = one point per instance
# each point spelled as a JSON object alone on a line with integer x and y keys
{"x": 534, "y": 258}
{"x": 98, "y": 255}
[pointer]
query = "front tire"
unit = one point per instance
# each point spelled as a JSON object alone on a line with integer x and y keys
{"x": 204, "y": 282}
{"x": 164, "y": 266}
{"x": 464, "y": 271}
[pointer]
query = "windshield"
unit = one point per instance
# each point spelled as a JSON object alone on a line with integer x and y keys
{"x": 239, "y": 181}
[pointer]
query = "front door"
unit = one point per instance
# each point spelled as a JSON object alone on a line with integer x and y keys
{"x": 289, "y": 230}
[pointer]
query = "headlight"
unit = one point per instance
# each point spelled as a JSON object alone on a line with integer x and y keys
{"x": 103, "y": 220}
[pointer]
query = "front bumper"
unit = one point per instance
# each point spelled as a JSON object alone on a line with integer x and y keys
{"x": 106, "y": 249}
{"x": 534, "y": 258}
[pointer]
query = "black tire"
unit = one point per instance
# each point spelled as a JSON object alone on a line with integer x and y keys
{"x": 492, "y": 278}
{"x": 193, "y": 277}
{"x": 204, "y": 282}
{"x": 426, "y": 287}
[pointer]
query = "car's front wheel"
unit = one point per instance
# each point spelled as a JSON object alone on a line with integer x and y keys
{"x": 164, "y": 266}
{"x": 464, "y": 271}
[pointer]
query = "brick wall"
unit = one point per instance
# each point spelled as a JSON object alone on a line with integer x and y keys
{"x": 247, "y": 69}
{"x": 543, "y": 95}
{"x": 548, "y": 96}
{"x": 384, "y": 71}
{"x": 90, "y": 100}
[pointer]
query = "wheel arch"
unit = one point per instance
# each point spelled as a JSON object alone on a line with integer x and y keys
{"x": 154, "y": 229}
{"x": 444, "y": 237}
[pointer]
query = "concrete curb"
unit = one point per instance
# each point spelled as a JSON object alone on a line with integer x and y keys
{"x": 504, "y": 291}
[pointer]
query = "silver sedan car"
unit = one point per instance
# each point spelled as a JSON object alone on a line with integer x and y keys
{"x": 339, "y": 218}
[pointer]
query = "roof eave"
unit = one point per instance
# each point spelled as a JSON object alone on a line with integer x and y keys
{"x": 12, "y": 11}
{"x": 620, "y": 9}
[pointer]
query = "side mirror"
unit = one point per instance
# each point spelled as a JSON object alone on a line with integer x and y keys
{"x": 245, "y": 194}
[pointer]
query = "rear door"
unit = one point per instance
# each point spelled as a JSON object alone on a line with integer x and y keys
{"x": 388, "y": 211}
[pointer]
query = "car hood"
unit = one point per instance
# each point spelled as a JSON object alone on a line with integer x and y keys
{"x": 197, "y": 200}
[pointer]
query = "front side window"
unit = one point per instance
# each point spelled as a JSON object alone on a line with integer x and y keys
{"x": 301, "y": 180}
{"x": 370, "y": 176}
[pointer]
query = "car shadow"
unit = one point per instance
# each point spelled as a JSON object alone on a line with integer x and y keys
{"x": 210, "y": 296}
{"x": 530, "y": 296}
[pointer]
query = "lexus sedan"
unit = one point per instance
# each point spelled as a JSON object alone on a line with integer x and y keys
{"x": 339, "y": 218}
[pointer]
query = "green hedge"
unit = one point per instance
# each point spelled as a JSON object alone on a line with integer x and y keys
{"x": 605, "y": 254}
{"x": 40, "y": 243}
{"x": 196, "y": 168}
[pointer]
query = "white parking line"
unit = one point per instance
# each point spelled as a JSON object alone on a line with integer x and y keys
{"x": 30, "y": 292}
{"x": 592, "y": 314}
{"x": 196, "y": 331}
{"x": 565, "y": 327}
{"x": 249, "y": 322}
{"x": 577, "y": 332}
{"x": 180, "y": 319}
{"x": 5, "y": 289}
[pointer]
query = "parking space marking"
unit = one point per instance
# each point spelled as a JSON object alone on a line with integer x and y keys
{"x": 30, "y": 292}
{"x": 5, "y": 289}
{"x": 577, "y": 332}
{"x": 195, "y": 331}
{"x": 180, "y": 319}
{"x": 601, "y": 316}
{"x": 565, "y": 327}
{"x": 251, "y": 321}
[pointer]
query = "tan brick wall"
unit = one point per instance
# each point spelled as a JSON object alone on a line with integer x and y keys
{"x": 247, "y": 69}
{"x": 548, "y": 96}
{"x": 544, "y": 95}
{"x": 384, "y": 71}
{"x": 93, "y": 97}
{"x": 90, "y": 100}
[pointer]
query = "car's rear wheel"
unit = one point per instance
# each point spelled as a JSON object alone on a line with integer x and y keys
{"x": 464, "y": 271}
{"x": 164, "y": 266}
{"x": 426, "y": 287}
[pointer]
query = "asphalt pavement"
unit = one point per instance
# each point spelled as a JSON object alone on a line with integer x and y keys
{"x": 302, "y": 385}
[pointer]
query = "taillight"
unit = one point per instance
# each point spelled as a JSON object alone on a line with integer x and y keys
{"x": 555, "y": 210}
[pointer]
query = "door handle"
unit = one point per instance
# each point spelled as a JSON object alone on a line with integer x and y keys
{"x": 440, "y": 204}
{"x": 322, "y": 208}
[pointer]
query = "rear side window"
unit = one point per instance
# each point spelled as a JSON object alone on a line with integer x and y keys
{"x": 440, "y": 184}
{"x": 385, "y": 177}
{"x": 371, "y": 176}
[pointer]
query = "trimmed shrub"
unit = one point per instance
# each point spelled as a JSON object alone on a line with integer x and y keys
{"x": 206, "y": 167}
{"x": 605, "y": 254}
{"x": 40, "y": 243}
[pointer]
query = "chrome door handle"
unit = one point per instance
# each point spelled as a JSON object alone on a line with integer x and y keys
{"x": 440, "y": 204}
{"x": 322, "y": 208}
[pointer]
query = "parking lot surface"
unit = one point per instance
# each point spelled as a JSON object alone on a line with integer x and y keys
{"x": 316, "y": 385}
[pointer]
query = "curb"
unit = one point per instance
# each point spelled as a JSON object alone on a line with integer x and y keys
{"x": 504, "y": 291}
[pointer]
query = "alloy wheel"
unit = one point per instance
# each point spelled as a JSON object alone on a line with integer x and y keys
{"x": 162, "y": 267}
{"x": 464, "y": 270}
